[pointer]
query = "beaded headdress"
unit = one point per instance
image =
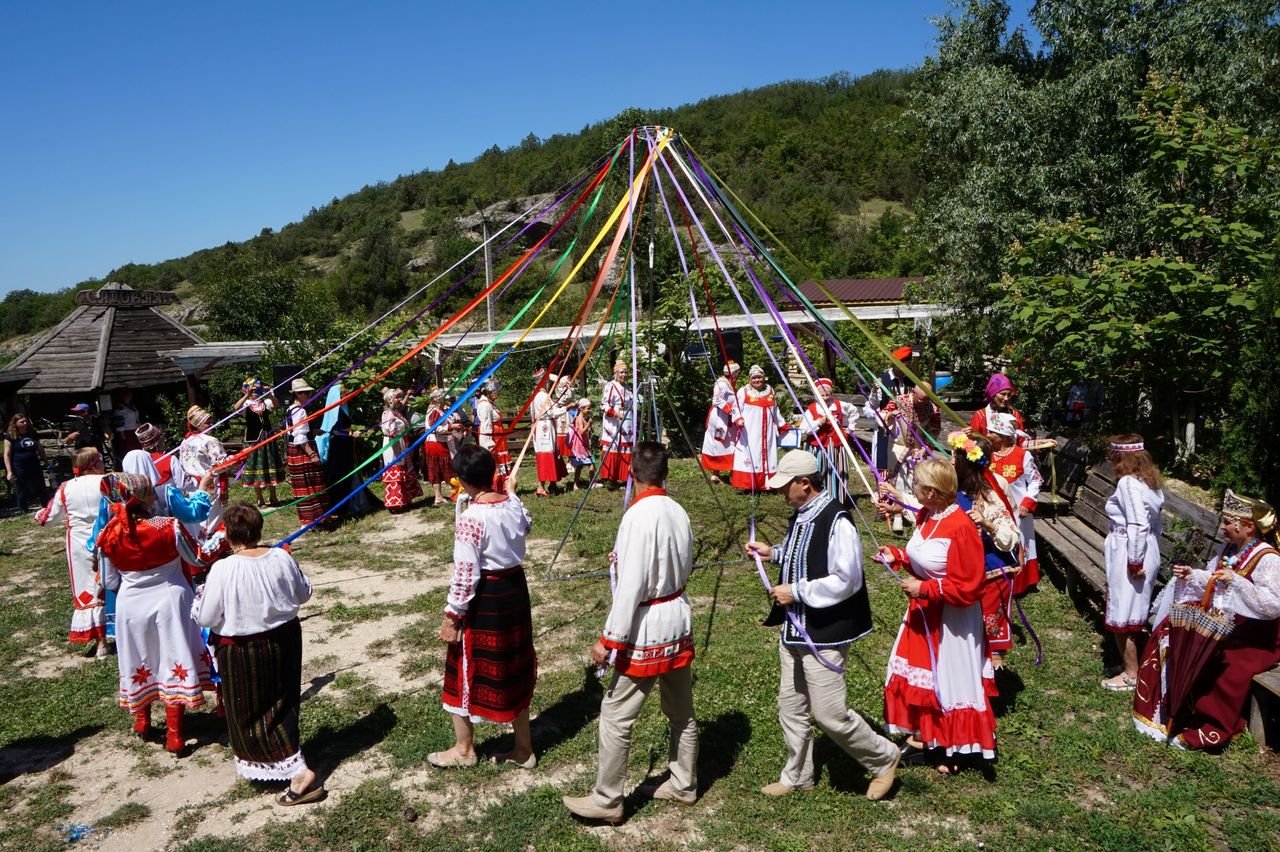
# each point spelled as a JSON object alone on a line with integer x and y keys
{"x": 1238, "y": 506}
{"x": 1135, "y": 447}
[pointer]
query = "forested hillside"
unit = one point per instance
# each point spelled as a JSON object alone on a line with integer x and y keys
{"x": 807, "y": 156}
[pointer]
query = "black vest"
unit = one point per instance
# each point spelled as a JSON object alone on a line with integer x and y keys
{"x": 804, "y": 555}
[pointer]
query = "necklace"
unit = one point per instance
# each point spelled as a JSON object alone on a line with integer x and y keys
{"x": 1240, "y": 555}
{"x": 938, "y": 519}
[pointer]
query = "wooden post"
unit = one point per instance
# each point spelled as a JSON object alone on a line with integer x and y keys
{"x": 193, "y": 389}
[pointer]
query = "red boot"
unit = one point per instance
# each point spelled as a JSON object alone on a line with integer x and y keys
{"x": 174, "y": 739}
{"x": 142, "y": 722}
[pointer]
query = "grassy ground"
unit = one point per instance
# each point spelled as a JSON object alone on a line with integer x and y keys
{"x": 1072, "y": 773}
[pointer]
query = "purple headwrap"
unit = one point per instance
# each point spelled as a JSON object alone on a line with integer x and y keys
{"x": 998, "y": 382}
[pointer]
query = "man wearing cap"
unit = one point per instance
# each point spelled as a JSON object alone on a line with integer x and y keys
{"x": 617, "y": 428}
{"x": 719, "y": 435}
{"x": 820, "y": 600}
{"x": 822, "y": 419}
{"x": 1242, "y": 588}
{"x": 83, "y": 431}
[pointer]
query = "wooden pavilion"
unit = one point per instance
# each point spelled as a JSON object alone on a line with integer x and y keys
{"x": 110, "y": 342}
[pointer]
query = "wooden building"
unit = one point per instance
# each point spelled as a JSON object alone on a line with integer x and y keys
{"x": 110, "y": 342}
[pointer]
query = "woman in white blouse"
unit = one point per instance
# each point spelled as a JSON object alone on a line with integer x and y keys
{"x": 251, "y": 604}
{"x": 490, "y": 666}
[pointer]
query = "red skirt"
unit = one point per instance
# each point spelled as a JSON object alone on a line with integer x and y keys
{"x": 550, "y": 467}
{"x": 562, "y": 446}
{"x": 717, "y": 463}
{"x": 616, "y": 466}
{"x": 1028, "y": 578}
{"x": 491, "y": 673}
{"x": 402, "y": 487}
{"x": 306, "y": 478}
{"x": 438, "y": 466}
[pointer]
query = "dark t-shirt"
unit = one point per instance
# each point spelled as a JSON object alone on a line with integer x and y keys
{"x": 25, "y": 451}
{"x": 89, "y": 435}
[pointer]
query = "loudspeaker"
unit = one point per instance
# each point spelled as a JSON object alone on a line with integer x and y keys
{"x": 283, "y": 373}
{"x": 732, "y": 339}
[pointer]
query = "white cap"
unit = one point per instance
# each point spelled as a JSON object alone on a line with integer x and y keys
{"x": 793, "y": 464}
{"x": 1002, "y": 424}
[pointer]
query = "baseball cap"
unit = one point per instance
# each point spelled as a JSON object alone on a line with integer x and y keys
{"x": 80, "y": 408}
{"x": 793, "y": 464}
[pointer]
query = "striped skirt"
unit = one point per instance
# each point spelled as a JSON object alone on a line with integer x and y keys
{"x": 491, "y": 673}
{"x": 306, "y": 477}
{"x": 261, "y": 677}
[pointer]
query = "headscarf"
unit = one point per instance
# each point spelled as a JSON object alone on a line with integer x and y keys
{"x": 329, "y": 421}
{"x": 732, "y": 368}
{"x": 998, "y": 382}
{"x": 387, "y": 394}
{"x": 1002, "y": 423}
{"x": 139, "y": 463}
{"x": 756, "y": 370}
{"x": 117, "y": 493}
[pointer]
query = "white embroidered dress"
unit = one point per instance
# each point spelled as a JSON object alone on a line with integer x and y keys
{"x": 76, "y": 504}
{"x": 755, "y": 452}
{"x": 1134, "y": 513}
{"x": 718, "y": 437}
{"x": 617, "y": 428}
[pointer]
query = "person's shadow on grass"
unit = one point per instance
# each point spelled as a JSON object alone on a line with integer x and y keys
{"x": 327, "y": 748}
{"x": 38, "y": 753}
{"x": 720, "y": 741}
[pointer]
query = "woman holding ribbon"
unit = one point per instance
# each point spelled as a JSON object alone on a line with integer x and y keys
{"x": 939, "y": 676}
{"x": 719, "y": 434}
{"x": 1132, "y": 551}
{"x": 438, "y": 466}
{"x": 490, "y": 666}
{"x": 755, "y": 453}
{"x": 263, "y": 468}
{"x": 1224, "y": 628}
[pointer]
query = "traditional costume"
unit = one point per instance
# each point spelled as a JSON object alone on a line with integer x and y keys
{"x": 650, "y": 631}
{"x": 337, "y": 450}
{"x": 491, "y": 673}
{"x": 981, "y": 419}
{"x": 720, "y": 433}
{"x": 306, "y": 477}
{"x": 491, "y": 436}
{"x": 1199, "y": 663}
{"x": 1133, "y": 542}
{"x": 546, "y": 411}
{"x": 152, "y": 440}
{"x": 939, "y": 676}
{"x": 438, "y": 466}
{"x": 197, "y": 455}
{"x": 890, "y": 386}
{"x": 617, "y": 429}
{"x": 824, "y": 439}
{"x": 755, "y": 452}
{"x": 76, "y": 503}
{"x": 160, "y": 652}
{"x": 264, "y": 467}
{"x": 1018, "y": 475}
{"x": 400, "y": 479}
{"x": 192, "y": 509}
{"x": 563, "y": 399}
{"x": 251, "y": 603}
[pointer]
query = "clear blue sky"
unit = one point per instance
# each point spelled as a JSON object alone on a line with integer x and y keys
{"x": 143, "y": 131}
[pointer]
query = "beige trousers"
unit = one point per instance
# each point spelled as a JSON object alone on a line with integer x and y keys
{"x": 807, "y": 686}
{"x": 618, "y": 713}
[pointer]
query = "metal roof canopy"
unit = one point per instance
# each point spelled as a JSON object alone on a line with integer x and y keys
{"x": 539, "y": 335}
{"x": 195, "y": 360}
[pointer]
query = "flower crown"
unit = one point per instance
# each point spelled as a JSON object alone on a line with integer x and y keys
{"x": 960, "y": 440}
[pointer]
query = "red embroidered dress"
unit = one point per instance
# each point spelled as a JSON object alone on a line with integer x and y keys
{"x": 159, "y": 650}
{"x": 1016, "y": 471}
{"x": 939, "y": 677}
{"x": 76, "y": 503}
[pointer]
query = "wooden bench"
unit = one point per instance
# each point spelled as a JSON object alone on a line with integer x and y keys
{"x": 1189, "y": 534}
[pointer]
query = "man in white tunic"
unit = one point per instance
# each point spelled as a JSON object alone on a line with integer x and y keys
{"x": 649, "y": 633}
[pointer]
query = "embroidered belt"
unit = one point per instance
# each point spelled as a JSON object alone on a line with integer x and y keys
{"x": 504, "y": 572}
{"x": 664, "y": 598}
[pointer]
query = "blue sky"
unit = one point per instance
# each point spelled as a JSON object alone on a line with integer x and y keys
{"x": 143, "y": 131}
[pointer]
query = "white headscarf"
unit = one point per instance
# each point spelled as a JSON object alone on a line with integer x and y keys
{"x": 756, "y": 370}
{"x": 140, "y": 463}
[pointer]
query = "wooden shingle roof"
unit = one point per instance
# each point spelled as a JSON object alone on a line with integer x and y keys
{"x": 109, "y": 342}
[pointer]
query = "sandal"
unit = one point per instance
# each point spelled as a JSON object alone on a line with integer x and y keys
{"x": 1120, "y": 683}
{"x": 289, "y": 798}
